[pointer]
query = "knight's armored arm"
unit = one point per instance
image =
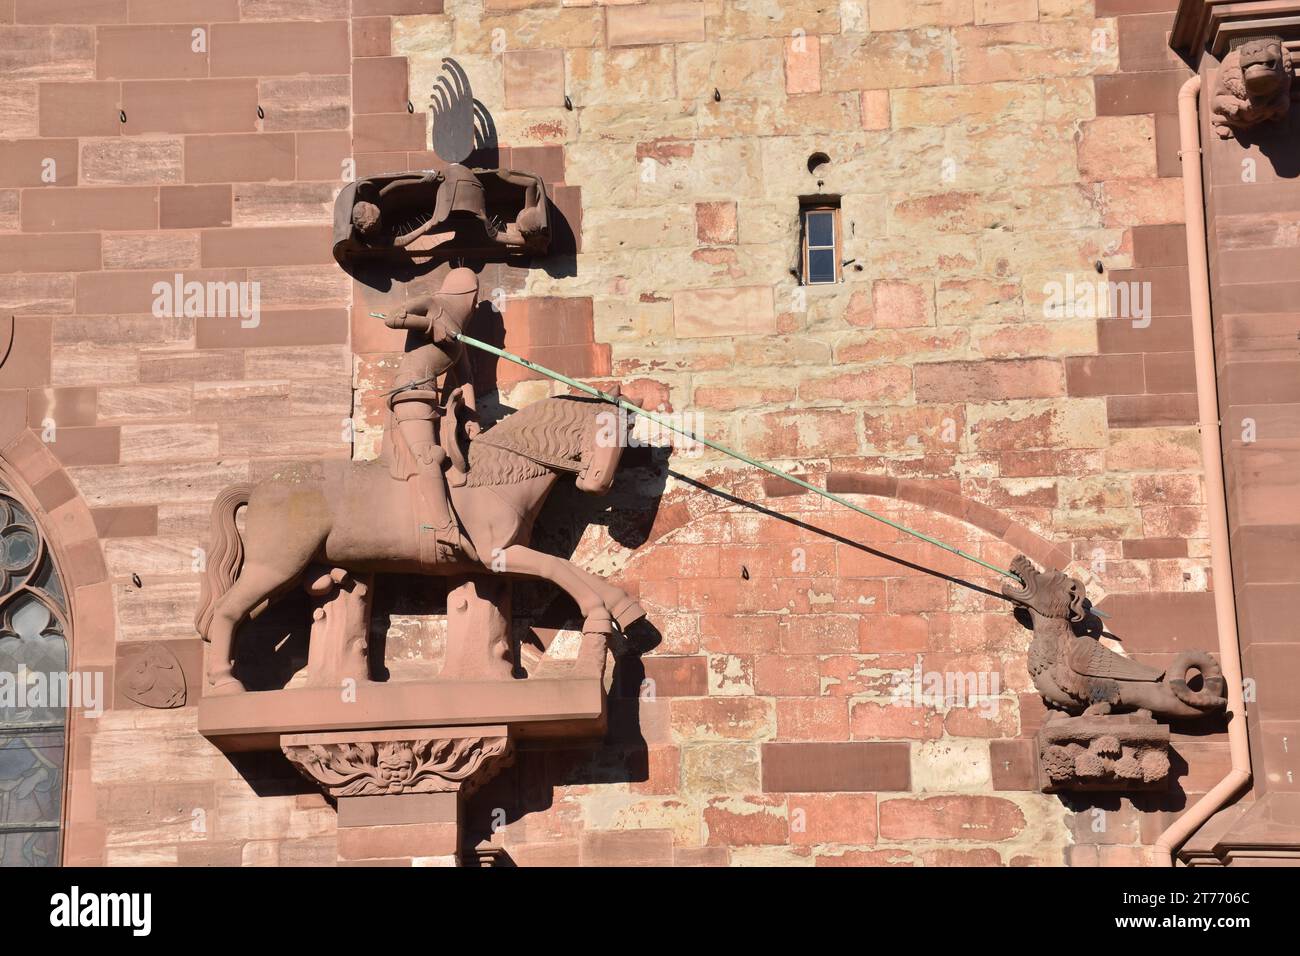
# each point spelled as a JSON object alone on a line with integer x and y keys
{"x": 414, "y": 316}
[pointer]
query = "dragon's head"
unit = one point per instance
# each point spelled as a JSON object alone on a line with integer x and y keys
{"x": 1050, "y": 594}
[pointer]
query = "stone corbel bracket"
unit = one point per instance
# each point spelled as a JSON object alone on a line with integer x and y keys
{"x": 1117, "y": 752}
{"x": 389, "y": 763}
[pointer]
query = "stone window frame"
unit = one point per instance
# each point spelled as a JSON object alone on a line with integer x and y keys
{"x": 820, "y": 205}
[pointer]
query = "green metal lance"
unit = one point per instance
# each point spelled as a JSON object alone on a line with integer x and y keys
{"x": 718, "y": 446}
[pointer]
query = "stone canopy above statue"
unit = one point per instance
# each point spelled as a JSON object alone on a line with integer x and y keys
{"x": 454, "y": 212}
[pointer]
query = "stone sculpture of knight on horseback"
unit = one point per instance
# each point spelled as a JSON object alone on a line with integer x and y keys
{"x": 447, "y": 497}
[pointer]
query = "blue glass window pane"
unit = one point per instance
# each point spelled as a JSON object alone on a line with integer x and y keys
{"x": 821, "y": 265}
{"x": 821, "y": 229}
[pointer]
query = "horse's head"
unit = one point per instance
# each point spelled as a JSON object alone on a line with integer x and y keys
{"x": 612, "y": 428}
{"x": 580, "y": 436}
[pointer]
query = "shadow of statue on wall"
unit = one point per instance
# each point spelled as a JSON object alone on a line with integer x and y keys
{"x": 463, "y": 129}
{"x": 1278, "y": 141}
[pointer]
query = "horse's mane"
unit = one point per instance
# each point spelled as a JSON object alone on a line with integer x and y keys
{"x": 554, "y": 428}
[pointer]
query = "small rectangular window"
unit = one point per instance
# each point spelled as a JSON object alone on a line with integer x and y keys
{"x": 821, "y": 245}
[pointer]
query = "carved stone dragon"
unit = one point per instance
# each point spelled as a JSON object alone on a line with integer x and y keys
{"x": 1074, "y": 672}
{"x": 1255, "y": 85}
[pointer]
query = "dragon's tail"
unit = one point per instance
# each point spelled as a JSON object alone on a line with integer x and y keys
{"x": 1213, "y": 695}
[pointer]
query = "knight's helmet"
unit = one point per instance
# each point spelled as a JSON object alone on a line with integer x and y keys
{"x": 460, "y": 195}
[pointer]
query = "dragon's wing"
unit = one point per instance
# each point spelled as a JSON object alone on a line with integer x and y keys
{"x": 1089, "y": 657}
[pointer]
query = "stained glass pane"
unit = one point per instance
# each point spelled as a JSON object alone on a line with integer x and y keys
{"x": 34, "y": 692}
{"x": 19, "y": 550}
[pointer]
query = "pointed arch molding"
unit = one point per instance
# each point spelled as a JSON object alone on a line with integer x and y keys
{"x": 932, "y": 495}
{"x": 38, "y": 479}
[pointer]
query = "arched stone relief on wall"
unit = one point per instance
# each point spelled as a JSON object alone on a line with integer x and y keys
{"x": 34, "y": 624}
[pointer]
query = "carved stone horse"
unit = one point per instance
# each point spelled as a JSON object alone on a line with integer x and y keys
{"x": 354, "y": 515}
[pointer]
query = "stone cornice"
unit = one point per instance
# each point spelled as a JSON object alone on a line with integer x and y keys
{"x": 1202, "y": 26}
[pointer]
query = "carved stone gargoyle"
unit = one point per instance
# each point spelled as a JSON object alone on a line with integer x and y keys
{"x": 454, "y": 210}
{"x": 1077, "y": 675}
{"x": 1254, "y": 85}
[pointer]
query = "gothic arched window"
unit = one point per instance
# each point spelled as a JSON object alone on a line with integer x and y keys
{"x": 33, "y": 675}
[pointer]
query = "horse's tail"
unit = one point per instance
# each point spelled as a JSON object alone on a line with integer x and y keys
{"x": 225, "y": 554}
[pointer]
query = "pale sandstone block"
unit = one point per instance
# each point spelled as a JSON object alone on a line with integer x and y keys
{"x": 728, "y": 21}
{"x": 322, "y": 398}
{"x": 173, "y": 249}
{"x": 9, "y": 212}
{"x": 1017, "y": 51}
{"x": 306, "y": 103}
{"x": 543, "y": 28}
{"x": 807, "y": 113}
{"x": 168, "y": 442}
{"x": 428, "y": 35}
{"x": 670, "y": 22}
{"x": 902, "y": 304}
{"x": 803, "y": 65}
{"x": 1135, "y": 202}
{"x": 47, "y": 53}
{"x": 945, "y": 105}
{"x": 705, "y": 169}
{"x": 1066, "y": 9}
{"x": 1118, "y": 147}
{"x": 1005, "y": 11}
{"x": 139, "y": 402}
{"x": 299, "y": 364}
{"x": 1052, "y": 423}
{"x": 106, "y": 485}
{"x": 132, "y": 161}
{"x": 1055, "y": 338}
{"x": 18, "y": 110}
{"x": 632, "y": 122}
{"x": 886, "y": 60}
{"x": 622, "y": 228}
{"x": 953, "y": 765}
{"x": 164, "y": 855}
{"x": 150, "y": 556}
{"x": 302, "y": 285}
{"x": 287, "y": 437}
{"x": 37, "y": 293}
{"x": 907, "y": 14}
{"x": 636, "y": 76}
{"x": 93, "y": 365}
{"x": 283, "y": 204}
{"x": 534, "y": 78}
{"x": 166, "y": 758}
{"x": 876, "y": 113}
{"x": 165, "y": 609}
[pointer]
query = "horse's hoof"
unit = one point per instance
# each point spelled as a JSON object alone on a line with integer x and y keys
{"x": 223, "y": 687}
{"x": 627, "y": 612}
